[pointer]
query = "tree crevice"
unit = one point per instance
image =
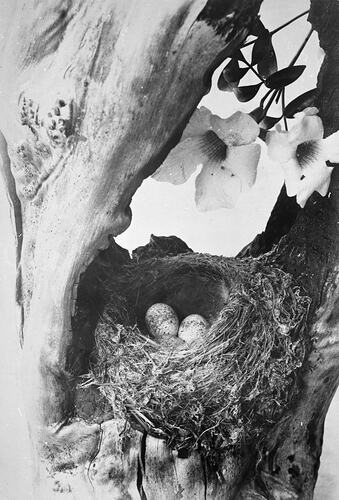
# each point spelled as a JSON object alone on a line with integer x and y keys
{"x": 142, "y": 466}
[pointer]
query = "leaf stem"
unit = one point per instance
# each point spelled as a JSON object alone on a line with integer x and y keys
{"x": 278, "y": 96}
{"x": 281, "y": 92}
{"x": 265, "y": 97}
{"x": 283, "y": 108}
{"x": 276, "y": 30}
{"x": 302, "y": 46}
{"x": 268, "y": 105}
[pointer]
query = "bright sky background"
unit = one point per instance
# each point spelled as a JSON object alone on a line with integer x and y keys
{"x": 163, "y": 209}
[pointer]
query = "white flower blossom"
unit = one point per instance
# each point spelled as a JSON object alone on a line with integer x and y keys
{"x": 302, "y": 153}
{"x": 224, "y": 148}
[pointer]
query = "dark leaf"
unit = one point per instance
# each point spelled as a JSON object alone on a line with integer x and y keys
{"x": 300, "y": 103}
{"x": 284, "y": 77}
{"x": 257, "y": 27}
{"x": 231, "y": 76}
{"x": 226, "y": 86}
{"x": 268, "y": 64}
{"x": 238, "y": 55}
{"x": 242, "y": 72}
{"x": 269, "y": 122}
{"x": 257, "y": 114}
{"x": 246, "y": 93}
{"x": 260, "y": 48}
{"x": 232, "y": 72}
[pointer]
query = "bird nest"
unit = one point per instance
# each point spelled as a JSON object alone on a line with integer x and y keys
{"x": 224, "y": 391}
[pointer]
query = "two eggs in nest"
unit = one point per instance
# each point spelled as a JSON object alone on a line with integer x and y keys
{"x": 163, "y": 324}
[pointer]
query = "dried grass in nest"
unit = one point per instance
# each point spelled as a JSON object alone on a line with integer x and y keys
{"x": 223, "y": 392}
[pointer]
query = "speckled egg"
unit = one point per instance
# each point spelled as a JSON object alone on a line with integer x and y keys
{"x": 193, "y": 328}
{"x": 162, "y": 322}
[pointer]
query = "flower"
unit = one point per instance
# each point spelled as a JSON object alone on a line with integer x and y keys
{"x": 224, "y": 148}
{"x": 302, "y": 153}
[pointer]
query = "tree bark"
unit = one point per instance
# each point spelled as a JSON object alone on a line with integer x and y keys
{"x": 93, "y": 98}
{"x": 86, "y": 90}
{"x": 310, "y": 252}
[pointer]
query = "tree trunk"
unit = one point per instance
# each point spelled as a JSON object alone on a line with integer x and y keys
{"x": 94, "y": 96}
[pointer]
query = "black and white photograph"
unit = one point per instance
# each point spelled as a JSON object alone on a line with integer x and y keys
{"x": 169, "y": 258}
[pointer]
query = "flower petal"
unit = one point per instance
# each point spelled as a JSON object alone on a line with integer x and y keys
{"x": 317, "y": 179}
{"x": 240, "y": 128}
{"x": 242, "y": 161}
{"x": 183, "y": 160}
{"x": 216, "y": 187}
{"x": 198, "y": 124}
{"x": 278, "y": 146}
{"x": 331, "y": 147}
{"x": 309, "y": 128}
{"x": 292, "y": 175}
{"x": 180, "y": 164}
{"x": 310, "y": 111}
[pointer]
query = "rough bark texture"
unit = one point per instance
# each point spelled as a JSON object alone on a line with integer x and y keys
{"x": 94, "y": 95}
{"x": 310, "y": 252}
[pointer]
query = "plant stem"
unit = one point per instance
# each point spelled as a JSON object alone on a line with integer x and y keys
{"x": 283, "y": 108}
{"x": 278, "y": 96}
{"x": 268, "y": 105}
{"x": 276, "y": 30}
{"x": 281, "y": 92}
{"x": 302, "y": 46}
{"x": 265, "y": 97}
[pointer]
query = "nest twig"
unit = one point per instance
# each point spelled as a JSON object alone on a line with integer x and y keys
{"x": 227, "y": 390}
